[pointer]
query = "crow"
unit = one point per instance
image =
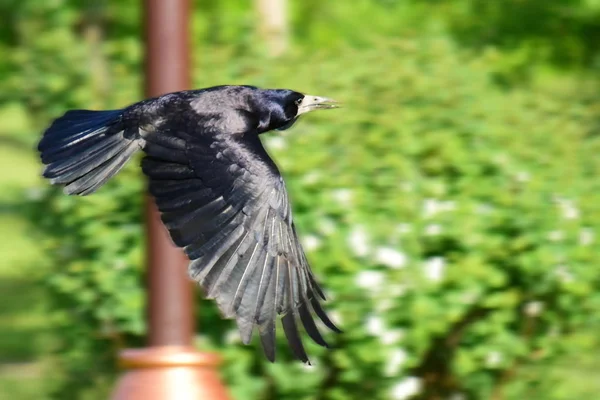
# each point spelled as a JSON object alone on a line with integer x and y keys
{"x": 219, "y": 193}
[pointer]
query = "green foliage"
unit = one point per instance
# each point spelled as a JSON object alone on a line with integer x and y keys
{"x": 96, "y": 287}
{"x": 451, "y": 220}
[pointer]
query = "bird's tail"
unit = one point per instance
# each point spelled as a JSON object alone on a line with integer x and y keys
{"x": 83, "y": 149}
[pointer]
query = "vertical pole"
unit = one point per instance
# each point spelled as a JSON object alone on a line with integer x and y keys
{"x": 170, "y": 293}
{"x": 169, "y": 368}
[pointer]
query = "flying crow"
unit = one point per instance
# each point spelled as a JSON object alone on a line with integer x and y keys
{"x": 219, "y": 194}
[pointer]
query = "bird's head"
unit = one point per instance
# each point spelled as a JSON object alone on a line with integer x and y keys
{"x": 285, "y": 106}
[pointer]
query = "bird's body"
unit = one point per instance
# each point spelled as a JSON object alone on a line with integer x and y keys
{"x": 220, "y": 195}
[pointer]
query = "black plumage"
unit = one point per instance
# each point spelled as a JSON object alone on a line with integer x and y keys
{"x": 220, "y": 195}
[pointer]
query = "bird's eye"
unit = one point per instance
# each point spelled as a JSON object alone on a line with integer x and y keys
{"x": 298, "y": 102}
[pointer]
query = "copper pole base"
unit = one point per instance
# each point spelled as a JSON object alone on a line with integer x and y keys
{"x": 169, "y": 372}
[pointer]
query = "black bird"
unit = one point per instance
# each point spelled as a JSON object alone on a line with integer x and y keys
{"x": 220, "y": 195}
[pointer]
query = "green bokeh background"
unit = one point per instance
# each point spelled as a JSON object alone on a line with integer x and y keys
{"x": 451, "y": 208}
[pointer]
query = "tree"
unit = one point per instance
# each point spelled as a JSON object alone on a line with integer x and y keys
{"x": 273, "y": 25}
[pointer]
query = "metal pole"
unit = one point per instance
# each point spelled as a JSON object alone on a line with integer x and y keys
{"x": 169, "y": 368}
{"x": 170, "y": 294}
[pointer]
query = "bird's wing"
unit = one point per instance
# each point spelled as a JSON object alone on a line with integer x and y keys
{"x": 226, "y": 204}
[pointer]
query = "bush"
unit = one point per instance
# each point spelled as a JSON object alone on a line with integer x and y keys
{"x": 453, "y": 224}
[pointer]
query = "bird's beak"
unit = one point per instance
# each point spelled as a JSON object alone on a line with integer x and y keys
{"x": 311, "y": 103}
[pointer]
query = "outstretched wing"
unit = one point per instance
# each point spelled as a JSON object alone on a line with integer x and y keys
{"x": 224, "y": 201}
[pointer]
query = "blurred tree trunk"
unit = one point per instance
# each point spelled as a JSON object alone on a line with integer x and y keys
{"x": 273, "y": 25}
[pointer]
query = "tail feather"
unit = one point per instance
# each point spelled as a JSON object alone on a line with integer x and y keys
{"x": 76, "y": 165}
{"x": 94, "y": 179}
{"x": 60, "y": 153}
{"x": 83, "y": 149}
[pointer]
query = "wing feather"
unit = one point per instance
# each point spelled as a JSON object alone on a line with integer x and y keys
{"x": 226, "y": 204}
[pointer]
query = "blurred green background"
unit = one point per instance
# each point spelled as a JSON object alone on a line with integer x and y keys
{"x": 451, "y": 208}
